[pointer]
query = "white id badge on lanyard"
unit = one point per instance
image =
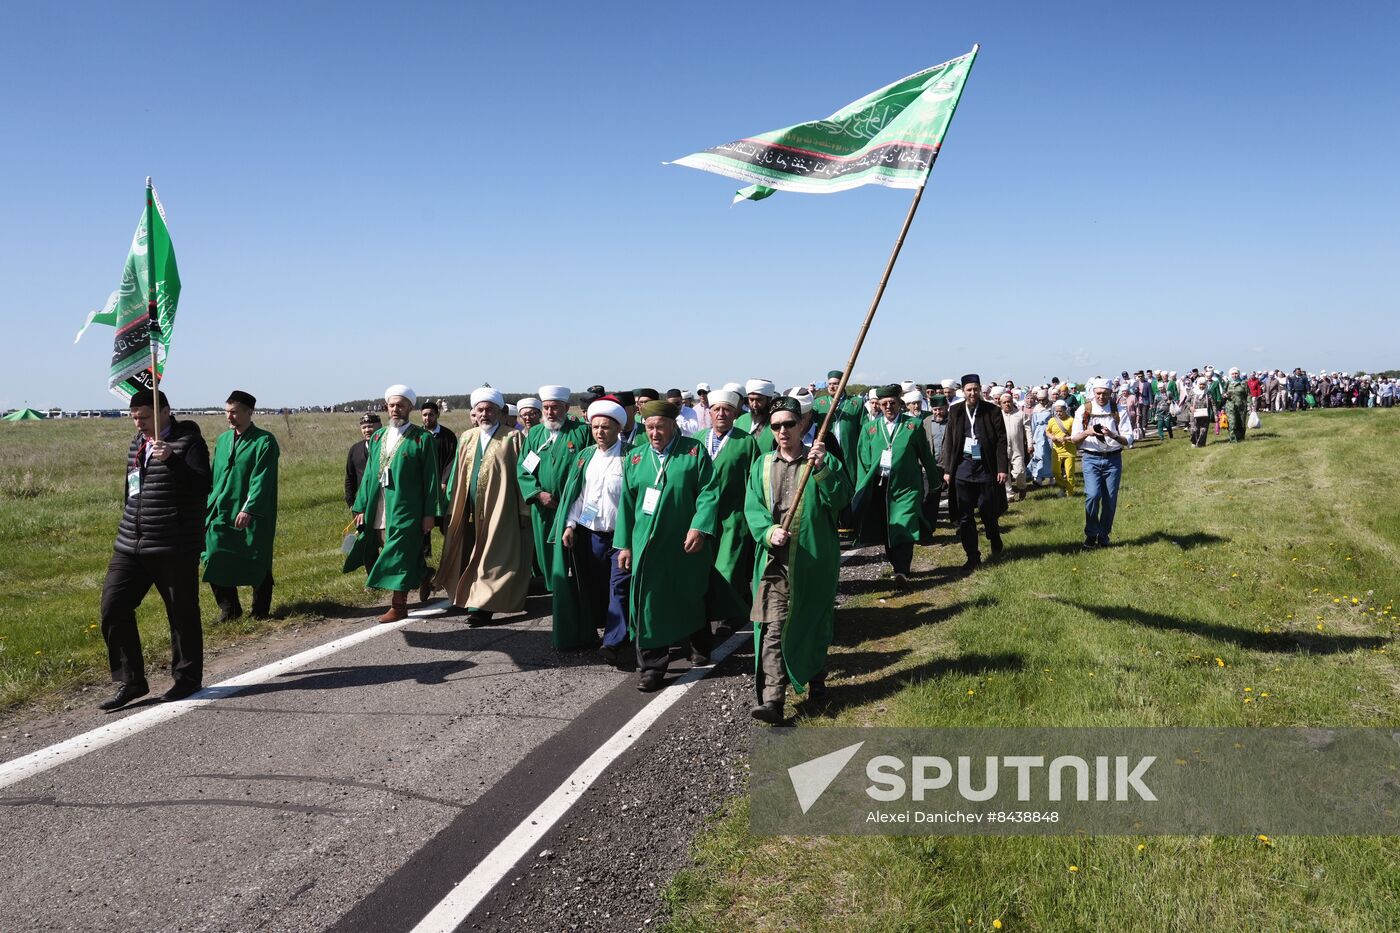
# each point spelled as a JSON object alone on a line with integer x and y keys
{"x": 886, "y": 460}
{"x": 384, "y": 478}
{"x": 133, "y": 483}
{"x": 589, "y": 514}
{"x": 972, "y": 448}
{"x": 532, "y": 460}
{"x": 650, "y": 499}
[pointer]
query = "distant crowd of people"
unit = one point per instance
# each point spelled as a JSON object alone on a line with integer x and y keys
{"x": 656, "y": 521}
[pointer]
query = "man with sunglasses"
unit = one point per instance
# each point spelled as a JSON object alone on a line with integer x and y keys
{"x": 893, "y": 455}
{"x": 793, "y": 625}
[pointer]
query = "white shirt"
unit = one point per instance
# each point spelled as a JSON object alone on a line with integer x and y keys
{"x": 602, "y": 488}
{"x": 688, "y": 421}
{"x": 485, "y": 436}
{"x": 1098, "y": 415}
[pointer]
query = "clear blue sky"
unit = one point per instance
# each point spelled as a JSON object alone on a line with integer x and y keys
{"x": 446, "y": 194}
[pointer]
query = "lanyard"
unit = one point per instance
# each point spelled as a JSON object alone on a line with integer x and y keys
{"x": 971, "y": 423}
{"x": 661, "y": 463}
{"x": 889, "y": 428}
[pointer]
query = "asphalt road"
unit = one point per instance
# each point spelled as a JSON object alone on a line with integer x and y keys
{"x": 354, "y": 791}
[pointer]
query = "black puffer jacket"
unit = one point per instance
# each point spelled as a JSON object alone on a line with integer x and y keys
{"x": 166, "y": 516}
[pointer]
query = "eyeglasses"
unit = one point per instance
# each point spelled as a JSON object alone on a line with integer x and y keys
{"x": 779, "y": 425}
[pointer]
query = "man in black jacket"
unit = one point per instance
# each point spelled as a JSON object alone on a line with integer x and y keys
{"x": 158, "y": 544}
{"x": 975, "y": 463}
{"x": 359, "y": 453}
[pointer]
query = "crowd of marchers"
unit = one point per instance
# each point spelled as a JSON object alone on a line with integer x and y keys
{"x": 657, "y": 523}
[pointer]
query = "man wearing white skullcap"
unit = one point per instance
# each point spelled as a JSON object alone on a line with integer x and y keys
{"x": 1102, "y": 432}
{"x": 527, "y": 411}
{"x": 397, "y": 505}
{"x": 732, "y": 451}
{"x": 486, "y": 557}
{"x": 590, "y": 589}
{"x": 761, "y": 393}
{"x": 550, "y": 447}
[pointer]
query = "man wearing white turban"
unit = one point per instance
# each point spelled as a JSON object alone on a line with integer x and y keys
{"x": 732, "y": 451}
{"x": 550, "y": 447}
{"x": 397, "y": 504}
{"x": 487, "y": 552}
{"x": 754, "y": 422}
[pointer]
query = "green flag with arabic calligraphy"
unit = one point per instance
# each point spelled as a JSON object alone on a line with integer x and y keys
{"x": 889, "y": 137}
{"x": 126, "y": 308}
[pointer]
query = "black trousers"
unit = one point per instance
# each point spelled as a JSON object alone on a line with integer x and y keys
{"x": 659, "y": 659}
{"x": 975, "y": 499}
{"x": 176, "y": 579}
{"x": 900, "y": 556}
{"x": 227, "y": 597}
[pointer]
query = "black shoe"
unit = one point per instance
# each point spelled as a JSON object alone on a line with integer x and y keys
{"x": 997, "y": 547}
{"x": 1090, "y": 542}
{"x": 972, "y": 563}
{"x": 770, "y": 712}
{"x": 818, "y": 693}
{"x": 229, "y": 615}
{"x": 1103, "y": 541}
{"x": 900, "y": 580}
{"x": 477, "y": 617}
{"x": 124, "y": 695}
{"x": 260, "y": 614}
{"x": 651, "y": 682}
{"x": 179, "y": 691}
{"x": 425, "y": 589}
{"x": 697, "y": 659}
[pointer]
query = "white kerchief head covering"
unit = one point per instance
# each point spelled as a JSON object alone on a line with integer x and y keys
{"x": 488, "y": 394}
{"x": 947, "y": 384}
{"x": 913, "y": 395}
{"x": 1234, "y": 370}
{"x": 804, "y": 397}
{"x": 760, "y": 387}
{"x": 726, "y": 397}
{"x": 403, "y": 390}
{"x": 608, "y": 409}
{"x": 528, "y": 402}
{"x": 554, "y": 394}
{"x": 1098, "y": 382}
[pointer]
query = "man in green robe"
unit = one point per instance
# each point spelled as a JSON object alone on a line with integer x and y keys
{"x": 1236, "y": 395}
{"x": 590, "y": 589}
{"x": 732, "y": 451}
{"x": 398, "y": 503}
{"x": 795, "y": 571}
{"x": 665, "y": 519}
{"x": 892, "y": 456}
{"x": 241, "y": 522}
{"x": 550, "y": 447}
{"x": 760, "y": 394}
{"x": 850, "y": 412}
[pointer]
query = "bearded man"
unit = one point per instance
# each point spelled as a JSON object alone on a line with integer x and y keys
{"x": 549, "y": 448}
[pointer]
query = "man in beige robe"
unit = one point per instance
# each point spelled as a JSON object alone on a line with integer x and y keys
{"x": 487, "y": 548}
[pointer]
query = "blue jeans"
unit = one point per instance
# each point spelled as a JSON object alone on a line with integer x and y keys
{"x": 1101, "y": 475}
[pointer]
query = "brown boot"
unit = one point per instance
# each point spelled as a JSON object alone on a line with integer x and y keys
{"x": 398, "y": 609}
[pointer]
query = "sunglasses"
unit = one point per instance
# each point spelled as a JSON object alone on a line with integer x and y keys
{"x": 779, "y": 425}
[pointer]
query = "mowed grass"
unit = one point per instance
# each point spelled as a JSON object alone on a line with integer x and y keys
{"x": 1250, "y": 585}
{"x": 60, "y": 501}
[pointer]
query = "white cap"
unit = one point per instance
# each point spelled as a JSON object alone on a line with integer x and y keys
{"x": 488, "y": 394}
{"x": 512, "y": 410}
{"x": 913, "y": 395}
{"x": 947, "y": 384}
{"x": 726, "y": 397}
{"x": 1042, "y": 393}
{"x": 804, "y": 397}
{"x": 607, "y": 408}
{"x": 1234, "y": 370}
{"x": 906, "y": 385}
{"x": 554, "y": 394}
{"x": 1060, "y": 403}
{"x": 736, "y": 387}
{"x": 528, "y": 402}
{"x": 702, "y": 387}
{"x": 1098, "y": 382}
{"x": 760, "y": 387}
{"x": 402, "y": 390}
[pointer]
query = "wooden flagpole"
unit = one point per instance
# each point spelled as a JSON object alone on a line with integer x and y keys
{"x": 151, "y": 311}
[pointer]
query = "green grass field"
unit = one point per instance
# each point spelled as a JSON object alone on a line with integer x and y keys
{"x": 60, "y": 501}
{"x": 1250, "y": 585}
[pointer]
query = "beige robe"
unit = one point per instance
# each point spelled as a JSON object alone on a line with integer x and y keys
{"x": 491, "y": 570}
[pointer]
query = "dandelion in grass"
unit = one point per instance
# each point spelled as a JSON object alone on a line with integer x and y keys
{"x": 1219, "y": 662}
{"x": 996, "y": 924}
{"x": 1074, "y": 869}
{"x": 1268, "y": 843}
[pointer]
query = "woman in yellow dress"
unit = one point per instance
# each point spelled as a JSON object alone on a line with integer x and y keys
{"x": 1058, "y": 429}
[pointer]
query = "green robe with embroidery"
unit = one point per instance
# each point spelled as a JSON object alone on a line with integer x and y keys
{"x": 850, "y": 415}
{"x": 763, "y": 436}
{"x": 412, "y": 494}
{"x": 668, "y": 585}
{"x": 905, "y": 490}
{"x": 814, "y": 562}
{"x": 576, "y": 623}
{"x": 244, "y": 480}
{"x": 730, "y": 595}
{"x": 548, "y": 476}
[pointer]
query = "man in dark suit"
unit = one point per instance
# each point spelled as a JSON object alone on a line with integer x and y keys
{"x": 359, "y": 451}
{"x": 159, "y": 540}
{"x": 975, "y": 463}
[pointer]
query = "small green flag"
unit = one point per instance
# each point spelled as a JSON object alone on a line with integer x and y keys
{"x": 890, "y": 137}
{"x": 126, "y": 308}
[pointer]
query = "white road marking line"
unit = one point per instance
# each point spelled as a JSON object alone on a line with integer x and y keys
{"x": 37, "y": 762}
{"x": 479, "y": 882}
